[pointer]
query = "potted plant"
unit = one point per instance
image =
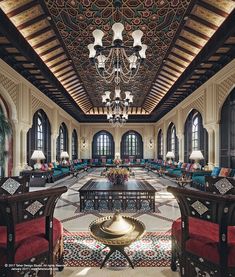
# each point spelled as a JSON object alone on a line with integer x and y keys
{"x": 5, "y": 130}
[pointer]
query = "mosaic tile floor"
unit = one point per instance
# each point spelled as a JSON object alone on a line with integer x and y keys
{"x": 68, "y": 211}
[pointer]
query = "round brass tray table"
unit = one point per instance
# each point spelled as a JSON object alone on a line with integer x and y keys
{"x": 117, "y": 242}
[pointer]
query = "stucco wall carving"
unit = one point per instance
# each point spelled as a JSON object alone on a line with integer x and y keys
{"x": 10, "y": 87}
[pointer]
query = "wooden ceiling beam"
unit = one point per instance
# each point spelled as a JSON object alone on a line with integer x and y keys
{"x": 38, "y": 33}
{"x": 190, "y": 42}
{"x": 22, "y": 8}
{"x": 176, "y": 63}
{"x": 31, "y": 22}
{"x": 61, "y": 68}
{"x": 212, "y": 8}
{"x": 169, "y": 73}
{"x": 50, "y": 50}
{"x": 42, "y": 43}
{"x": 196, "y": 33}
{"x": 180, "y": 57}
{"x": 172, "y": 68}
{"x": 58, "y": 63}
{"x": 184, "y": 50}
{"x": 53, "y": 58}
{"x": 203, "y": 22}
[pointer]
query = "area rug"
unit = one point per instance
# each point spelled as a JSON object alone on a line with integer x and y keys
{"x": 81, "y": 250}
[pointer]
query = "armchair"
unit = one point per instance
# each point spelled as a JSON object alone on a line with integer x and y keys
{"x": 203, "y": 239}
{"x": 29, "y": 235}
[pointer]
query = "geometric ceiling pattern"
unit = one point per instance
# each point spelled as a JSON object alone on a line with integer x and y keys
{"x": 176, "y": 32}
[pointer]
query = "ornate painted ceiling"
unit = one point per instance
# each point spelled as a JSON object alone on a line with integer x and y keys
{"x": 176, "y": 32}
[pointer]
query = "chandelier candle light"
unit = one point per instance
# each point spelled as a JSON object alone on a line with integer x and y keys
{"x": 117, "y": 108}
{"x": 121, "y": 63}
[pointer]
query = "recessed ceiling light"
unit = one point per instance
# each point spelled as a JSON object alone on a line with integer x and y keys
{"x": 186, "y": 18}
{"x": 49, "y": 18}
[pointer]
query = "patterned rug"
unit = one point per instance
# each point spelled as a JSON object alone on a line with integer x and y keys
{"x": 153, "y": 250}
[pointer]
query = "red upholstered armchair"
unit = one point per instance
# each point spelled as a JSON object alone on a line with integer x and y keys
{"x": 29, "y": 235}
{"x": 203, "y": 239}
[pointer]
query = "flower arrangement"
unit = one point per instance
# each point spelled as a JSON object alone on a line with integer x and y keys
{"x": 117, "y": 175}
{"x": 117, "y": 161}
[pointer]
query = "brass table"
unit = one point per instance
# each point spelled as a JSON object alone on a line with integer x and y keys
{"x": 117, "y": 242}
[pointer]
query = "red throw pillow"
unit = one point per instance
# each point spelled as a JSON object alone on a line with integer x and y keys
{"x": 224, "y": 172}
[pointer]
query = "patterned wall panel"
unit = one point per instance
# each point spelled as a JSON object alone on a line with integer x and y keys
{"x": 224, "y": 89}
{"x": 37, "y": 104}
{"x": 197, "y": 104}
{"x": 10, "y": 87}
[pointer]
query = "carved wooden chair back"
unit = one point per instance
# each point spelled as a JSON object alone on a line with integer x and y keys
{"x": 208, "y": 207}
{"x": 14, "y": 185}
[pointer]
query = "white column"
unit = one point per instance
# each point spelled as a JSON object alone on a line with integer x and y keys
{"x": 16, "y": 150}
{"x": 181, "y": 147}
{"x": 70, "y": 141}
{"x": 217, "y": 144}
{"x": 53, "y": 146}
{"x": 24, "y": 146}
{"x": 211, "y": 147}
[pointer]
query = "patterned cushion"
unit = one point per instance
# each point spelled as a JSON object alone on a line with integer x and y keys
{"x": 224, "y": 172}
{"x": 184, "y": 165}
{"x": 215, "y": 171}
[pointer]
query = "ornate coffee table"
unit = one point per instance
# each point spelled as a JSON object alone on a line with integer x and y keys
{"x": 120, "y": 239}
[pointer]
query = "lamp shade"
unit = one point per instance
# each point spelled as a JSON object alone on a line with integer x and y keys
{"x": 38, "y": 155}
{"x": 98, "y": 35}
{"x": 170, "y": 154}
{"x": 196, "y": 155}
{"x": 64, "y": 154}
{"x": 92, "y": 50}
{"x": 137, "y": 35}
{"x": 117, "y": 32}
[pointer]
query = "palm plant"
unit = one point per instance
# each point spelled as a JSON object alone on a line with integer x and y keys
{"x": 5, "y": 130}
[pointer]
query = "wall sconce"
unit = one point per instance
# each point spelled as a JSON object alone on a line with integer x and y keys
{"x": 83, "y": 143}
{"x": 151, "y": 143}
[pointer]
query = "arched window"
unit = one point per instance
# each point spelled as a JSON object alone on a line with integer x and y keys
{"x": 62, "y": 141}
{"x": 40, "y": 139}
{"x": 195, "y": 136}
{"x": 160, "y": 144}
{"x": 103, "y": 145}
{"x": 172, "y": 141}
{"x": 131, "y": 145}
{"x": 227, "y": 132}
{"x": 173, "y": 135}
{"x": 39, "y": 136}
{"x": 74, "y": 145}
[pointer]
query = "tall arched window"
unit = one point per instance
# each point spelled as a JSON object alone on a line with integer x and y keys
{"x": 195, "y": 136}
{"x": 103, "y": 145}
{"x": 74, "y": 145}
{"x": 39, "y": 136}
{"x": 160, "y": 144}
{"x": 62, "y": 141}
{"x": 172, "y": 141}
{"x": 131, "y": 145}
{"x": 227, "y": 132}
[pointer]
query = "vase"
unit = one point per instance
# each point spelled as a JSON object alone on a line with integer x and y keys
{"x": 118, "y": 181}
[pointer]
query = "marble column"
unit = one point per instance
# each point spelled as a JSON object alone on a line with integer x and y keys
{"x": 216, "y": 128}
{"x": 16, "y": 150}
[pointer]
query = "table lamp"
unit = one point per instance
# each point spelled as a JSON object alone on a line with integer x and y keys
{"x": 64, "y": 155}
{"x": 38, "y": 156}
{"x": 196, "y": 155}
{"x": 171, "y": 156}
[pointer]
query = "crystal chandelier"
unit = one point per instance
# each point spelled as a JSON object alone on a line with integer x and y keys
{"x": 117, "y": 108}
{"x": 117, "y": 62}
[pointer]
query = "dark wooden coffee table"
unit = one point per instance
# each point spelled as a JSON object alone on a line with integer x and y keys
{"x": 96, "y": 193}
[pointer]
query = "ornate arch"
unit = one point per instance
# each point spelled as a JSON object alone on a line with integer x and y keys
{"x": 62, "y": 140}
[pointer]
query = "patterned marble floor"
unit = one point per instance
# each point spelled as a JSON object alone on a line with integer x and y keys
{"x": 68, "y": 211}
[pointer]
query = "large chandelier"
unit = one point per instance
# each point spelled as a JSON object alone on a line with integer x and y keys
{"x": 117, "y": 62}
{"x": 117, "y": 108}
